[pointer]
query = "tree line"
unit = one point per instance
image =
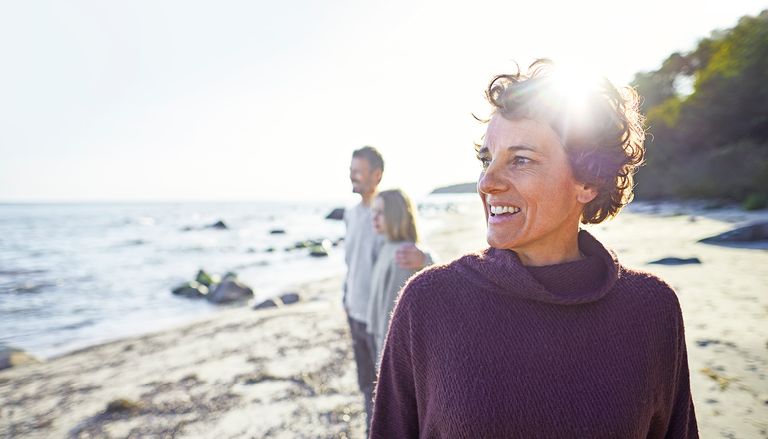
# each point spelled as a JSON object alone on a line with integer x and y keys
{"x": 707, "y": 116}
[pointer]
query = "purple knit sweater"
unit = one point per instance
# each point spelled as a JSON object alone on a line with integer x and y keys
{"x": 484, "y": 347}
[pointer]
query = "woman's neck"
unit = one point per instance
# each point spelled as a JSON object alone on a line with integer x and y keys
{"x": 558, "y": 252}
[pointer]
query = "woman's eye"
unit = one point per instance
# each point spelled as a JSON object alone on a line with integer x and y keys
{"x": 484, "y": 162}
{"x": 521, "y": 161}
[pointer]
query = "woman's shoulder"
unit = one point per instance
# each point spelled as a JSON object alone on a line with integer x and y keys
{"x": 644, "y": 279}
{"x": 647, "y": 286}
{"x": 443, "y": 277}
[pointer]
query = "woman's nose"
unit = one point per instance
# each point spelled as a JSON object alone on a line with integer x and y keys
{"x": 491, "y": 182}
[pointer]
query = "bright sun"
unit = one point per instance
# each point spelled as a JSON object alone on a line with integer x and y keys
{"x": 576, "y": 84}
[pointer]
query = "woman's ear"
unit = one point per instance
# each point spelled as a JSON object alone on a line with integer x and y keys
{"x": 585, "y": 193}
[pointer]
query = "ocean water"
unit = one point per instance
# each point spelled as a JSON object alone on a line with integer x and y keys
{"x": 74, "y": 275}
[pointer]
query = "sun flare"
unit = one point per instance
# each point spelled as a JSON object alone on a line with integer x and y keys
{"x": 575, "y": 83}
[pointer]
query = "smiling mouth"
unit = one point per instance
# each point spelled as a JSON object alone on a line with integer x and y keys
{"x": 503, "y": 210}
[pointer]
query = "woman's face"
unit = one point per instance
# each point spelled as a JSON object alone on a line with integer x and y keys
{"x": 532, "y": 202}
{"x": 377, "y": 210}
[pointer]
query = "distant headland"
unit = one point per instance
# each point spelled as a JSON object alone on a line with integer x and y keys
{"x": 461, "y": 188}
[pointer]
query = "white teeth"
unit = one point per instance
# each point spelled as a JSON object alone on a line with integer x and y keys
{"x": 498, "y": 210}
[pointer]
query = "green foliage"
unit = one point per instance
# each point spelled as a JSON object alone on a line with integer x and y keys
{"x": 203, "y": 278}
{"x": 755, "y": 202}
{"x": 713, "y": 142}
{"x": 667, "y": 112}
{"x": 732, "y": 172}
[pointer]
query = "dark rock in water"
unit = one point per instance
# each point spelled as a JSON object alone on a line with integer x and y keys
{"x": 303, "y": 244}
{"x": 277, "y": 232}
{"x": 230, "y": 290}
{"x": 676, "y": 261}
{"x": 191, "y": 289}
{"x": 270, "y": 250}
{"x": 12, "y": 357}
{"x": 290, "y": 298}
{"x": 320, "y": 250}
{"x": 751, "y": 233}
{"x": 218, "y": 225}
{"x": 269, "y": 303}
{"x": 284, "y": 299}
{"x": 336, "y": 214}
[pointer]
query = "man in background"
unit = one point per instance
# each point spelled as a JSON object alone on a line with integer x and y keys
{"x": 362, "y": 246}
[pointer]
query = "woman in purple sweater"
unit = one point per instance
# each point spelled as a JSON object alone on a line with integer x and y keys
{"x": 545, "y": 333}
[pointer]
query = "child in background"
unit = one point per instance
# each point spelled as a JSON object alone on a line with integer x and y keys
{"x": 393, "y": 217}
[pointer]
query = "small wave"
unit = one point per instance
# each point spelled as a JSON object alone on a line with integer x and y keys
{"x": 21, "y": 271}
{"x": 142, "y": 221}
{"x": 193, "y": 249}
{"x": 132, "y": 243}
{"x": 72, "y": 326}
{"x": 15, "y": 312}
{"x": 251, "y": 264}
{"x": 29, "y": 288}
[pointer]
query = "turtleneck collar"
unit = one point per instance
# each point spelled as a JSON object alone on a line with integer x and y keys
{"x": 570, "y": 283}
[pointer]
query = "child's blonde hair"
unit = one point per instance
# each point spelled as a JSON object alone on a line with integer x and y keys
{"x": 399, "y": 216}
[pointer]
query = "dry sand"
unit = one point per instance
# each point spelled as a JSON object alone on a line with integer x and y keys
{"x": 725, "y": 306}
{"x": 289, "y": 372}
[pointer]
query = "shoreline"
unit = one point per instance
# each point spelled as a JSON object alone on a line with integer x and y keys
{"x": 731, "y": 213}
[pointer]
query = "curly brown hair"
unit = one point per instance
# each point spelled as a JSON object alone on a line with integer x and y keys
{"x": 603, "y": 137}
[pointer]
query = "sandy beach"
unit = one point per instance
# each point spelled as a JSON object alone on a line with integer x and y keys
{"x": 289, "y": 372}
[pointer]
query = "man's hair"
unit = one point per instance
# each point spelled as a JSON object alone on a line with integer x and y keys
{"x": 399, "y": 216}
{"x": 372, "y": 155}
{"x": 603, "y": 137}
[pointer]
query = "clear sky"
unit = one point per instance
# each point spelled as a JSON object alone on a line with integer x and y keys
{"x": 257, "y": 100}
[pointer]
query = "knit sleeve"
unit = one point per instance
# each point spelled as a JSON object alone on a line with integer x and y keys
{"x": 395, "y": 407}
{"x": 682, "y": 421}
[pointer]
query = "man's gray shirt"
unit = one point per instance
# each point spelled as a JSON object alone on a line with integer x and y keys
{"x": 362, "y": 245}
